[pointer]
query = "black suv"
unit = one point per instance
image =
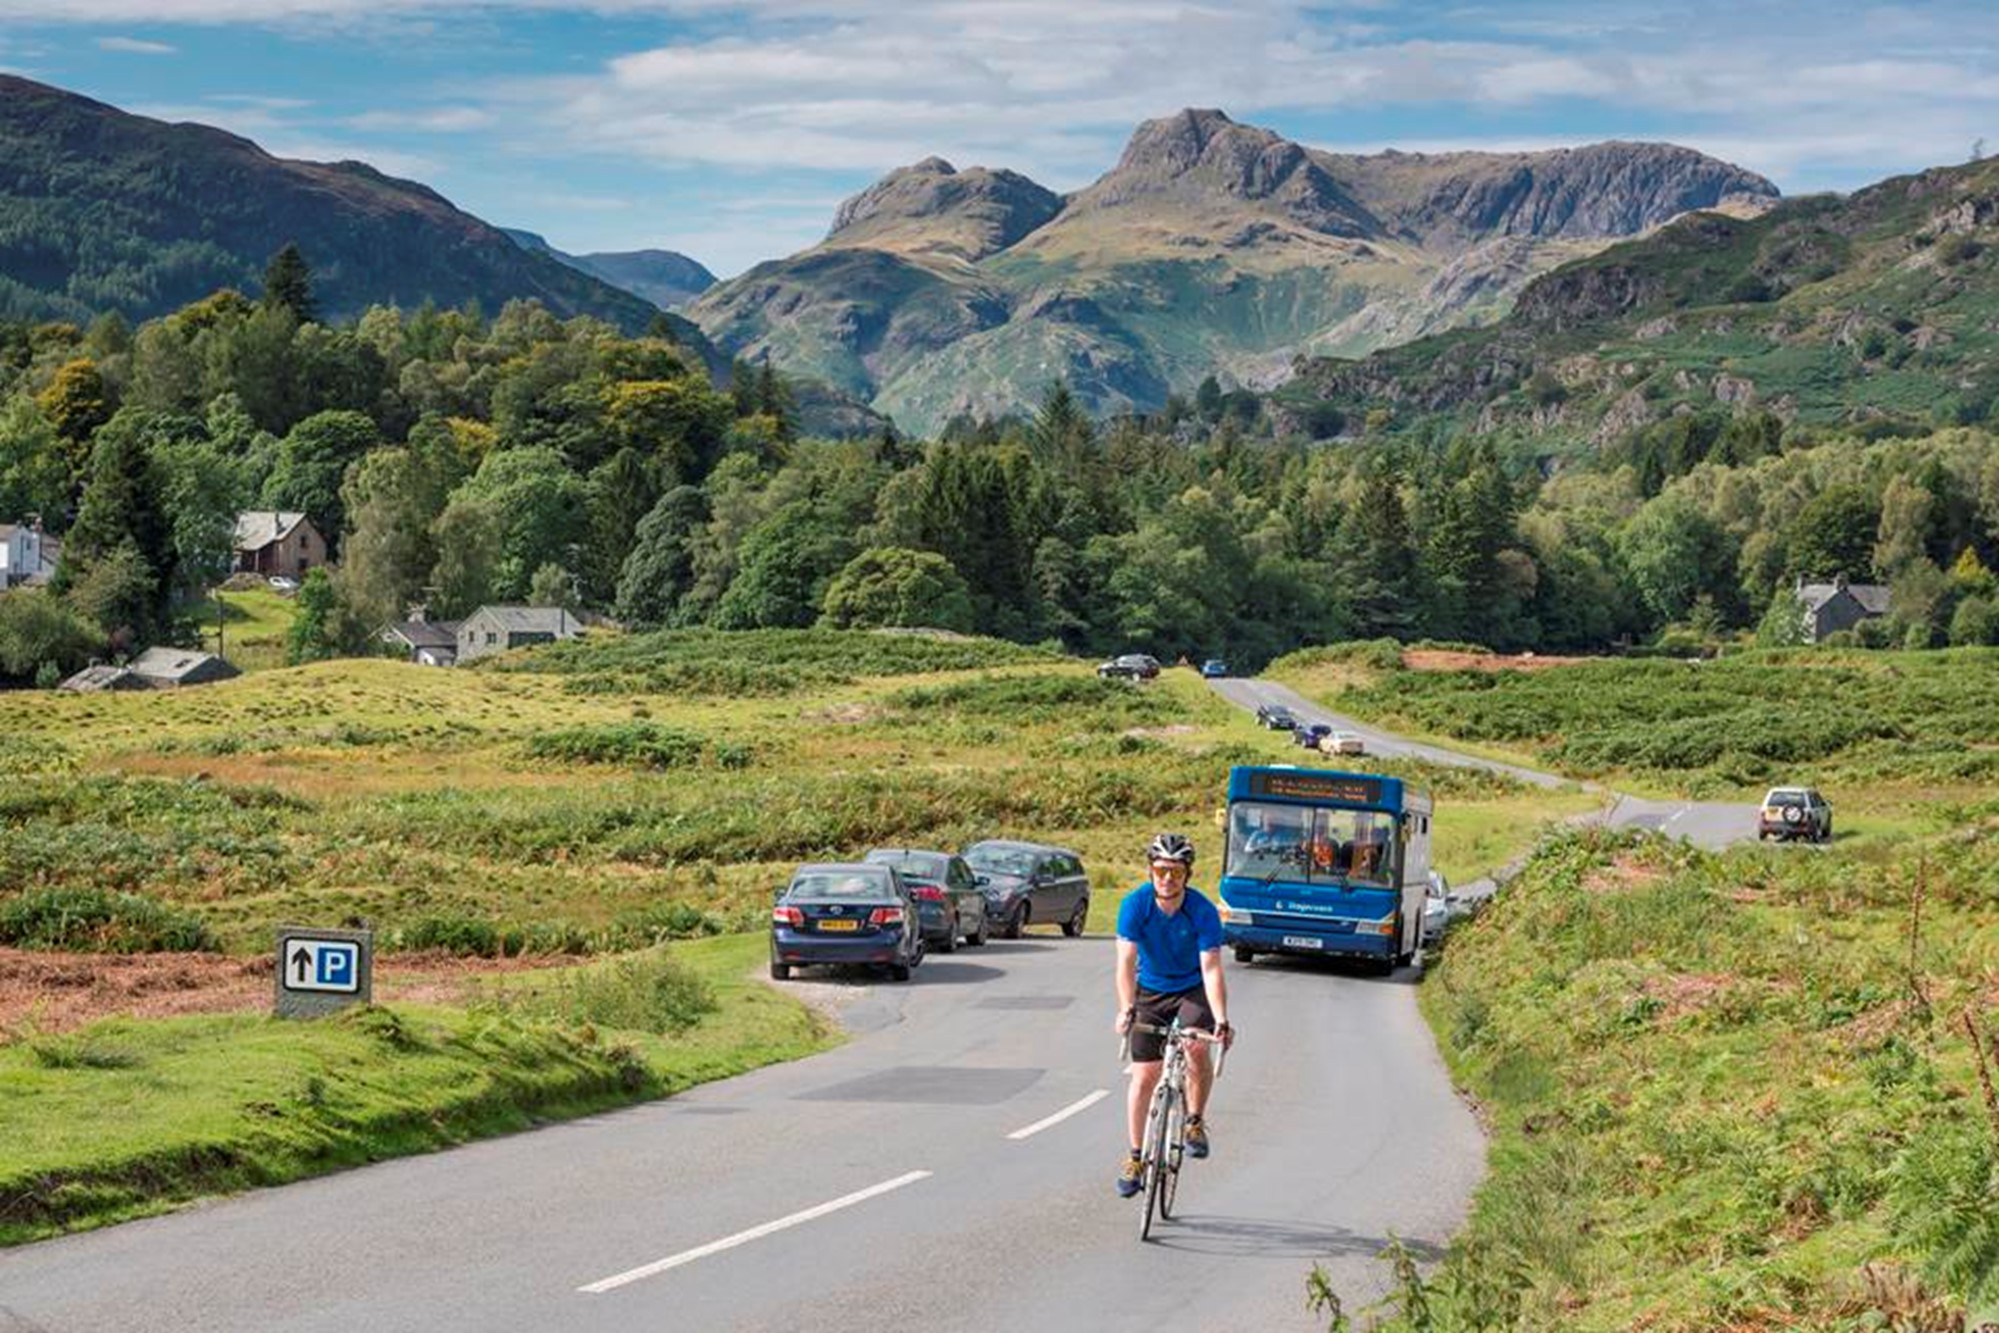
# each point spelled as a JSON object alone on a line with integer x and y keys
{"x": 1276, "y": 717}
{"x": 1130, "y": 666}
{"x": 1031, "y": 883}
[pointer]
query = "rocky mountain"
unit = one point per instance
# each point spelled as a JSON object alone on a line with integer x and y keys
{"x": 1210, "y": 246}
{"x": 102, "y": 210}
{"x": 1877, "y": 311}
{"x": 666, "y": 278}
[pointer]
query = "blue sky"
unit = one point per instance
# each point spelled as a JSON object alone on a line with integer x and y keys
{"x": 730, "y": 129}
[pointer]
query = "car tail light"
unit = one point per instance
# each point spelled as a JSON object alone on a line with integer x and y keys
{"x": 787, "y": 916}
{"x": 929, "y": 893}
{"x": 885, "y": 916}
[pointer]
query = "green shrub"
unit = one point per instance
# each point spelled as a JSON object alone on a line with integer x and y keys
{"x": 465, "y": 936}
{"x": 634, "y": 744}
{"x": 648, "y": 992}
{"x": 97, "y": 921}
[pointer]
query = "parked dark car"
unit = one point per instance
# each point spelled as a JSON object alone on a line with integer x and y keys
{"x": 1031, "y": 883}
{"x": 1307, "y": 734}
{"x": 948, "y": 899}
{"x": 1794, "y": 812}
{"x": 845, "y": 912}
{"x": 1275, "y": 716}
{"x": 1130, "y": 666}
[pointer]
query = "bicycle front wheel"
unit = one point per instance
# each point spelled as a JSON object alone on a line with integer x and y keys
{"x": 1169, "y": 1159}
{"x": 1158, "y": 1120}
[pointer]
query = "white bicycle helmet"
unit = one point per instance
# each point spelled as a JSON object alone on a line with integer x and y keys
{"x": 1170, "y": 847}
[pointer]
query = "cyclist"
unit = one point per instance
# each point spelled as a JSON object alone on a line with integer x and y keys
{"x": 1169, "y": 964}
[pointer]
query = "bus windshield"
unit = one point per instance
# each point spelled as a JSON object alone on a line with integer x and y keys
{"x": 1302, "y": 845}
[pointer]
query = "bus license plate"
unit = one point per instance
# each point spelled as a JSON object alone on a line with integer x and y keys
{"x": 1303, "y": 942}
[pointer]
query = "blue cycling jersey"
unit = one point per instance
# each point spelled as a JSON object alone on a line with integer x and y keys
{"x": 1170, "y": 944}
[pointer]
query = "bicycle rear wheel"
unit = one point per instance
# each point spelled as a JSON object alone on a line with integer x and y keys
{"x": 1158, "y": 1119}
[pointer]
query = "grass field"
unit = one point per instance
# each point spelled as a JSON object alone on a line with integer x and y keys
{"x": 591, "y": 801}
{"x": 125, "y": 1118}
{"x": 253, "y": 628}
{"x": 1725, "y": 1092}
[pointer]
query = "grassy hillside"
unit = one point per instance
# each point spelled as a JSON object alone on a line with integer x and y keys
{"x": 1881, "y": 305}
{"x": 1729, "y": 1091}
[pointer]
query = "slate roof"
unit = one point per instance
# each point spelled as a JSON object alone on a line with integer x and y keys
{"x": 531, "y": 619}
{"x": 1873, "y": 597}
{"x": 258, "y": 528}
{"x": 170, "y": 663}
{"x": 427, "y": 633}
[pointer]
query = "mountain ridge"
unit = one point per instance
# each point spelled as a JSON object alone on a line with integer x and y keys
{"x": 111, "y": 210}
{"x": 1210, "y": 245}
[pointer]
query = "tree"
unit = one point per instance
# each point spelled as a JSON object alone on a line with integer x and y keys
{"x": 467, "y": 535}
{"x": 391, "y": 500}
{"x": 288, "y": 284}
{"x": 118, "y": 593}
{"x": 34, "y": 470}
{"x": 1833, "y": 534}
{"x": 893, "y": 585}
{"x": 1675, "y": 553}
{"x": 543, "y": 511}
{"x": 123, "y": 511}
{"x": 1975, "y": 623}
{"x": 785, "y": 564}
{"x": 316, "y": 630}
{"x": 312, "y": 462}
{"x": 1377, "y": 571}
{"x": 37, "y": 629}
{"x": 660, "y": 569}
{"x": 76, "y": 402}
{"x": 552, "y": 585}
{"x": 1783, "y": 625}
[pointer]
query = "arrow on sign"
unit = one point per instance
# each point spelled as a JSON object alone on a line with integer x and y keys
{"x": 302, "y": 962}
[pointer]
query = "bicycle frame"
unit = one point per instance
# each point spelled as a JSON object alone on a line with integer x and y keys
{"x": 1164, "y": 1148}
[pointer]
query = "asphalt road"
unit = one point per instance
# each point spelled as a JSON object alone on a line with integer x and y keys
{"x": 950, "y": 1167}
{"x": 1335, "y": 1124}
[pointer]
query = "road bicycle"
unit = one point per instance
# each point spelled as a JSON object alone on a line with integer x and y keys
{"x": 1166, "y": 1120}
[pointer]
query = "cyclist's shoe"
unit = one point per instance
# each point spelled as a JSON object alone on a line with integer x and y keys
{"x": 1130, "y": 1176}
{"x": 1195, "y": 1137}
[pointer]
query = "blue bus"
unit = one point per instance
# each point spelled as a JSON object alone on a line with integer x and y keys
{"x": 1324, "y": 863}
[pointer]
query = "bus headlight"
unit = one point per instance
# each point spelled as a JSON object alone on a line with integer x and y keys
{"x": 1233, "y": 916}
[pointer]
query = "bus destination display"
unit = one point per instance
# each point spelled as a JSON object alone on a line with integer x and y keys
{"x": 1304, "y": 786}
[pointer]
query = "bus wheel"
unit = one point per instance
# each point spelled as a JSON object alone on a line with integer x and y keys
{"x": 1244, "y": 954}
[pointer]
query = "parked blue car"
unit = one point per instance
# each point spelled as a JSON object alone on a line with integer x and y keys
{"x": 1214, "y": 668}
{"x": 845, "y": 912}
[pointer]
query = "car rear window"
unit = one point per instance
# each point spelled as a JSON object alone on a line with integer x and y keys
{"x": 1002, "y": 861}
{"x": 916, "y": 864}
{"x": 844, "y": 886}
{"x": 1784, "y": 798}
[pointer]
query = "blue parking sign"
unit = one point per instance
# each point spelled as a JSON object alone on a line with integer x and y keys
{"x": 336, "y": 965}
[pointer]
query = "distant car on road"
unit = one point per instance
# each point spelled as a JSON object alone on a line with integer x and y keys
{"x": 1129, "y": 666}
{"x": 1214, "y": 669}
{"x": 1030, "y": 883}
{"x": 279, "y": 583}
{"x": 948, "y": 901}
{"x": 845, "y": 912}
{"x": 1276, "y": 717}
{"x": 1794, "y": 812}
{"x": 1342, "y": 742}
{"x": 1308, "y": 734}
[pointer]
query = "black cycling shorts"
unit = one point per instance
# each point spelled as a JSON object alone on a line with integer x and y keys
{"x": 1159, "y": 1009}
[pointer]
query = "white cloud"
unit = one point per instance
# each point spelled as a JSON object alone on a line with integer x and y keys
{"x": 135, "y": 47}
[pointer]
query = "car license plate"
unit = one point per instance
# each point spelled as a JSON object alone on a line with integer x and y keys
{"x": 839, "y": 925}
{"x": 1303, "y": 942}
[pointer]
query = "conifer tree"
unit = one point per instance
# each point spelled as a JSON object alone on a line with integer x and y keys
{"x": 288, "y": 283}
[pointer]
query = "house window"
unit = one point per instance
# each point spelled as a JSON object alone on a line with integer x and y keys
{"x": 491, "y": 637}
